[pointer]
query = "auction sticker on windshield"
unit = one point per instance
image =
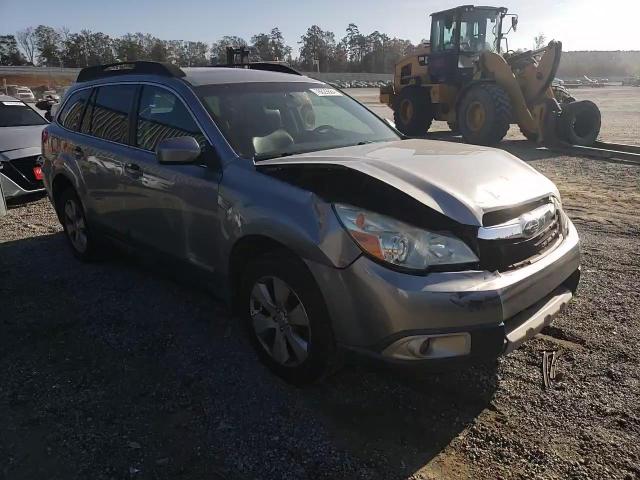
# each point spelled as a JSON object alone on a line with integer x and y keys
{"x": 326, "y": 92}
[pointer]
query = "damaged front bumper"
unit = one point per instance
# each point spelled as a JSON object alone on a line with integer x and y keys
{"x": 410, "y": 319}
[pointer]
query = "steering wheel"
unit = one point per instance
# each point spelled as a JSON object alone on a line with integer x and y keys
{"x": 323, "y": 129}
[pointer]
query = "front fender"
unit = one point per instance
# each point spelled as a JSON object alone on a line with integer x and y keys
{"x": 252, "y": 203}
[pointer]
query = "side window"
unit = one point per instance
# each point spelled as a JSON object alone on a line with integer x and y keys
{"x": 162, "y": 115}
{"x": 71, "y": 114}
{"x": 87, "y": 120}
{"x": 110, "y": 113}
{"x": 444, "y": 33}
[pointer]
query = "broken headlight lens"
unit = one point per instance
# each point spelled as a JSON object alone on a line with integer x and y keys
{"x": 401, "y": 244}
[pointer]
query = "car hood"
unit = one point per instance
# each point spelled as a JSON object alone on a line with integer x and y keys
{"x": 458, "y": 180}
{"x": 15, "y": 138}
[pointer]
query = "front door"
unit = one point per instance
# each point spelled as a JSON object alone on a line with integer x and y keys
{"x": 443, "y": 59}
{"x": 176, "y": 205}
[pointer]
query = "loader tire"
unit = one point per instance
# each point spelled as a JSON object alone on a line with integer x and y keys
{"x": 412, "y": 112}
{"x": 579, "y": 123}
{"x": 484, "y": 114}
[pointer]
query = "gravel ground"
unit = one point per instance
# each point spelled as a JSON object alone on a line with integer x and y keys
{"x": 116, "y": 371}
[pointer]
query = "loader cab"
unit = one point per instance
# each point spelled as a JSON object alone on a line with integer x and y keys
{"x": 458, "y": 37}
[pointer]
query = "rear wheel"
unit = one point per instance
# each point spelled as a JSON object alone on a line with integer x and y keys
{"x": 287, "y": 319}
{"x": 412, "y": 113}
{"x": 579, "y": 123}
{"x": 484, "y": 114}
{"x": 74, "y": 222}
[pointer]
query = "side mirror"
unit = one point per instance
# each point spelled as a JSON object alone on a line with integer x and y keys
{"x": 514, "y": 23}
{"x": 178, "y": 150}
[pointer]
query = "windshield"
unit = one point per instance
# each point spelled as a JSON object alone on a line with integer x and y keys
{"x": 268, "y": 120}
{"x": 17, "y": 114}
{"x": 479, "y": 31}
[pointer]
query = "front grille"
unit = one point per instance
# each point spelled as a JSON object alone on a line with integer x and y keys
{"x": 501, "y": 255}
{"x": 20, "y": 171}
{"x": 499, "y": 216}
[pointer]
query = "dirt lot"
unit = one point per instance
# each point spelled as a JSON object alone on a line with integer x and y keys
{"x": 115, "y": 371}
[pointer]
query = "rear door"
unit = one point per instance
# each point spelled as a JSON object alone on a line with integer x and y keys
{"x": 176, "y": 205}
{"x": 106, "y": 155}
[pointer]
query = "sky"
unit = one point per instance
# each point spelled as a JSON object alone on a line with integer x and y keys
{"x": 580, "y": 24}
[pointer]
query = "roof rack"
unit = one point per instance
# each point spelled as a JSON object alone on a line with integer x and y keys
{"x": 124, "y": 68}
{"x": 267, "y": 66}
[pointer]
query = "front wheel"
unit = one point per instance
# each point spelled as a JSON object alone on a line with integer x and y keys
{"x": 287, "y": 319}
{"x": 484, "y": 114}
{"x": 412, "y": 112}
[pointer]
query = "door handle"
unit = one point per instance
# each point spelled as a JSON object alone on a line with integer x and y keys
{"x": 133, "y": 169}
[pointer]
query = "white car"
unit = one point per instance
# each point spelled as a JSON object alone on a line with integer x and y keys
{"x": 20, "y": 146}
{"x": 25, "y": 94}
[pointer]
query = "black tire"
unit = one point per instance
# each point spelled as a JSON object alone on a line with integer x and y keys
{"x": 322, "y": 357}
{"x": 579, "y": 123}
{"x": 412, "y": 112}
{"x": 90, "y": 250}
{"x": 496, "y": 116}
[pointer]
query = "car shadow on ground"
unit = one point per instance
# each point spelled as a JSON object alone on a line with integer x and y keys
{"x": 24, "y": 199}
{"x": 112, "y": 370}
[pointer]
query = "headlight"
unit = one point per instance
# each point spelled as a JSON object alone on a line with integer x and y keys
{"x": 401, "y": 244}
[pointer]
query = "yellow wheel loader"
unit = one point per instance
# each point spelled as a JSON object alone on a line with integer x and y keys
{"x": 462, "y": 77}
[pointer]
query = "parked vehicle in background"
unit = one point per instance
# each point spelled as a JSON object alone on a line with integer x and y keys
{"x": 20, "y": 146}
{"x": 25, "y": 94}
{"x": 322, "y": 226}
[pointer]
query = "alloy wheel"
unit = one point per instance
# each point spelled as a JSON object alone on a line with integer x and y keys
{"x": 280, "y": 321}
{"x": 75, "y": 225}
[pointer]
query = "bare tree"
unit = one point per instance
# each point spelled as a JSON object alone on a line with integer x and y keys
{"x": 540, "y": 41}
{"x": 28, "y": 42}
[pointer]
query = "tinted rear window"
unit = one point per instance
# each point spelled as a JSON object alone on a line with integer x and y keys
{"x": 17, "y": 114}
{"x": 71, "y": 114}
{"x": 110, "y": 112}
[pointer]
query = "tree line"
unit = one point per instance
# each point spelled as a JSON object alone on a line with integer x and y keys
{"x": 319, "y": 49}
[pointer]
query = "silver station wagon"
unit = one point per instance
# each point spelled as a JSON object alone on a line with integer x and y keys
{"x": 324, "y": 229}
